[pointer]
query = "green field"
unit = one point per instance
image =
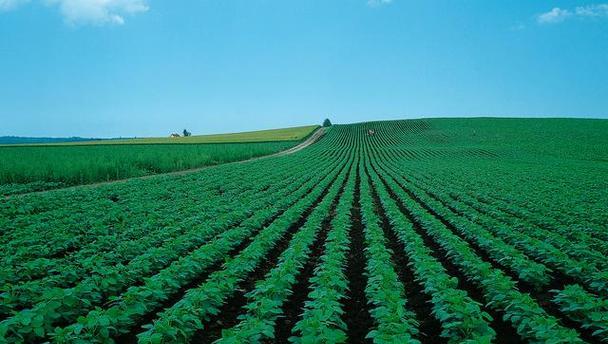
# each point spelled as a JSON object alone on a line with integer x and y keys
{"x": 27, "y": 168}
{"x": 270, "y": 135}
{"x": 426, "y": 231}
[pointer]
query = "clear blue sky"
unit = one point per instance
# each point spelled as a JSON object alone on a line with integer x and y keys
{"x": 149, "y": 67}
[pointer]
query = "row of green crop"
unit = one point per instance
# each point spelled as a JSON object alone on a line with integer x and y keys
{"x": 583, "y": 245}
{"x": 582, "y": 221}
{"x": 32, "y": 210}
{"x": 581, "y": 306}
{"x": 179, "y": 323}
{"x": 322, "y": 313}
{"x": 62, "y": 305}
{"x": 534, "y": 244}
{"x": 85, "y": 287}
{"x": 39, "y": 233}
{"x": 566, "y": 192}
{"x": 394, "y": 323}
{"x": 502, "y": 253}
{"x": 137, "y": 216}
{"x": 543, "y": 203}
{"x": 461, "y": 318}
{"x": 193, "y": 235}
{"x": 265, "y": 301}
{"x": 57, "y": 230}
{"x": 52, "y": 224}
{"x": 136, "y": 302}
{"x": 539, "y": 240}
{"x": 62, "y": 229}
{"x": 585, "y": 308}
{"x": 499, "y": 291}
{"x": 138, "y": 220}
{"x": 578, "y": 245}
{"x": 16, "y": 189}
{"x": 216, "y": 228}
{"x": 578, "y": 304}
{"x": 127, "y": 243}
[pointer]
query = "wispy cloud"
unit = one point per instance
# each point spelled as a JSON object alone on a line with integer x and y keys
{"x": 7, "y": 5}
{"x": 558, "y": 15}
{"x": 377, "y": 3}
{"x": 96, "y": 12}
{"x": 600, "y": 10}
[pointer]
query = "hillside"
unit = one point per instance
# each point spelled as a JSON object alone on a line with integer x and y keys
{"x": 269, "y": 135}
{"x": 416, "y": 231}
{"x": 549, "y": 137}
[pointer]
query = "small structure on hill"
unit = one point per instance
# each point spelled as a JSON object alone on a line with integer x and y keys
{"x": 370, "y": 132}
{"x": 174, "y": 135}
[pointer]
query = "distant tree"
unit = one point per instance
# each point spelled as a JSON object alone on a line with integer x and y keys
{"x": 186, "y": 133}
{"x": 327, "y": 123}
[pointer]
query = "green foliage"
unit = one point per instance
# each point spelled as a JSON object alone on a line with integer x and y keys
{"x": 395, "y": 323}
{"x": 479, "y": 208}
{"x": 30, "y": 167}
{"x": 585, "y": 308}
{"x": 323, "y": 312}
{"x": 461, "y": 317}
{"x": 203, "y": 301}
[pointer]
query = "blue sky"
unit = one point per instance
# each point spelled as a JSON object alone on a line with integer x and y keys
{"x": 109, "y": 68}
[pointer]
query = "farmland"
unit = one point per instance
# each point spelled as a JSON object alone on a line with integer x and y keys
{"x": 28, "y": 168}
{"x": 415, "y": 231}
{"x": 269, "y": 135}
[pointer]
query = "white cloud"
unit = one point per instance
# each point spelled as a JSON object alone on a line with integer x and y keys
{"x": 600, "y": 10}
{"x": 7, "y": 5}
{"x": 376, "y": 3}
{"x": 556, "y": 15}
{"x": 98, "y": 12}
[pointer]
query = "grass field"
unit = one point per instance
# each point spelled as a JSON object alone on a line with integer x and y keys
{"x": 270, "y": 135}
{"x": 27, "y": 168}
{"x": 428, "y": 231}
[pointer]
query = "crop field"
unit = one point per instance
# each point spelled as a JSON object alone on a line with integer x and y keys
{"x": 269, "y": 135}
{"x": 38, "y": 167}
{"x": 43, "y": 167}
{"x": 414, "y": 231}
{"x": 35, "y": 168}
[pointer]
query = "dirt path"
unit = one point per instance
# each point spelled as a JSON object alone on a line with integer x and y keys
{"x": 316, "y": 135}
{"x": 310, "y": 140}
